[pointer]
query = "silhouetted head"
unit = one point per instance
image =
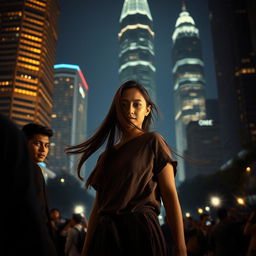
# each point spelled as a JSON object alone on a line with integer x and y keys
{"x": 77, "y": 217}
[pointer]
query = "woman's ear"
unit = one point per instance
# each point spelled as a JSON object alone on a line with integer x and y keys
{"x": 148, "y": 110}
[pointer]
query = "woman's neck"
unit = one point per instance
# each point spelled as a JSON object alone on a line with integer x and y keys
{"x": 130, "y": 135}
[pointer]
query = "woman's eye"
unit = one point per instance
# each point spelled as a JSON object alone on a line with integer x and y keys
{"x": 137, "y": 105}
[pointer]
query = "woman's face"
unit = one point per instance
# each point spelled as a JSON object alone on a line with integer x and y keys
{"x": 135, "y": 106}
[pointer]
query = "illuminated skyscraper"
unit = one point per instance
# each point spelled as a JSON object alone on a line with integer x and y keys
{"x": 69, "y": 116}
{"x": 27, "y": 55}
{"x": 235, "y": 64}
{"x": 136, "y": 38}
{"x": 188, "y": 80}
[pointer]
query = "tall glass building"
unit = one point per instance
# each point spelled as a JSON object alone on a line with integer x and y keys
{"x": 136, "y": 38}
{"x": 188, "y": 81}
{"x": 69, "y": 117}
{"x": 235, "y": 64}
{"x": 28, "y": 32}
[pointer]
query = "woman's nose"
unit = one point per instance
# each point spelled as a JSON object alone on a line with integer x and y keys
{"x": 131, "y": 109}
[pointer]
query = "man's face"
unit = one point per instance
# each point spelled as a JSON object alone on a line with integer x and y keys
{"x": 39, "y": 147}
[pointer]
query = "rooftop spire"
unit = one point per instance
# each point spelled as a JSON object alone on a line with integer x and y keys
{"x": 131, "y": 7}
{"x": 183, "y": 6}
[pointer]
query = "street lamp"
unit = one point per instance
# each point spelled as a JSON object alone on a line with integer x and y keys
{"x": 187, "y": 214}
{"x": 200, "y": 210}
{"x": 79, "y": 209}
{"x": 240, "y": 201}
{"x": 248, "y": 169}
{"x": 215, "y": 201}
{"x": 207, "y": 208}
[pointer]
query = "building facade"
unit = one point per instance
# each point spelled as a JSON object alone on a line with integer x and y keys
{"x": 136, "y": 40}
{"x": 234, "y": 45}
{"x": 188, "y": 81}
{"x": 203, "y": 147}
{"x": 28, "y": 32}
{"x": 69, "y": 116}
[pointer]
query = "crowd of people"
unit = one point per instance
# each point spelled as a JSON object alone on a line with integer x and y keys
{"x": 229, "y": 233}
{"x": 132, "y": 178}
{"x": 68, "y": 233}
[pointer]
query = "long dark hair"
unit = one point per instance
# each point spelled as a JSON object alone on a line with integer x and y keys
{"x": 113, "y": 126}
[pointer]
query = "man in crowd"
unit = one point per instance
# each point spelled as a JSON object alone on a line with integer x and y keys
{"x": 38, "y": 141}
{"x": 38, "y": 138}
{"x": 22, "y": 209}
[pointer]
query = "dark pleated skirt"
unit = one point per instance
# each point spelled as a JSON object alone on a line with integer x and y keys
{"x": 133, "y": 234}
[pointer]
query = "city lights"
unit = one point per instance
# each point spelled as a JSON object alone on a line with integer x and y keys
{"x": 207, "y": 208}
{"x": 215, "y": 201}
{"x": 62, "y": 180}
{"x": 79, "y": 209}
{"x": 200, "y": 210}
{"x": 248, "y": 169}
{"x": 240, "y": 201}
{"x": 187, "y": 214}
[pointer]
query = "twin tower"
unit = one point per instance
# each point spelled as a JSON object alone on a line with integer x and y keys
{"x": 136, "y": 61}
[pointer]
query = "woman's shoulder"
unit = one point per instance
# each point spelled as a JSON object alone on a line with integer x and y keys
{"x": 156, "y": 136}
{"x": 158, "y": 141}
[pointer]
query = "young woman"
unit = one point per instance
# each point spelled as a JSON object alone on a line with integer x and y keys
{"x": 131, "y": 177}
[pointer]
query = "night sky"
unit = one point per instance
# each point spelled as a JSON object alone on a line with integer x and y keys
{"x": 87, "y": 36}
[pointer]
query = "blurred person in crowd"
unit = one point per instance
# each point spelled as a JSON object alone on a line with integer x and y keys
{"x": 195, "y": 239}
{"x": 205, "y": 223}
{"x": 58, "y": 223}
{"x": 75, "y": 235}
{"x": 226, "y": 237}
{"x": 250, "y": 231}
{"x": 24, "y": 232}
{"x": 131, "y": 177}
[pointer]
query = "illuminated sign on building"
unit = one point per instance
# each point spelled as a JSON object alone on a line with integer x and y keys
{"x": 205, "y": 122}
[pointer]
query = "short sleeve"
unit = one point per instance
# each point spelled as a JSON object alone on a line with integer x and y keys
{"x": 162, "y": 154}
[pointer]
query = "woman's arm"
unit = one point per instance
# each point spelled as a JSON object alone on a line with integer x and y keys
{"x": 91, "y": 226}
{"x": 172, "y": 207}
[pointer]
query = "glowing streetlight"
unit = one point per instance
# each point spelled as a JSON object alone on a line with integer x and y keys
{"x": 207, "y": 208}
{"x": 215, "y": 201}
{"x": 240, "y": 201}
{"x": 248, "y": 169}
{"x": 187, "y": 214}
{"x": 62, "y": 180}
{"x": 79, "y": 209}
{"x": 200, "y": 210}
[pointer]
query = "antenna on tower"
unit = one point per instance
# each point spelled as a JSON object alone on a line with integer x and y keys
{"x": 183, "y": 6}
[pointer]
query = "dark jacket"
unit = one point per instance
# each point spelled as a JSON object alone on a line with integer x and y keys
{"x": 24, "y": 231}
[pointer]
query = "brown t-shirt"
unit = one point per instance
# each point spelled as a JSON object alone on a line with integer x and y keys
{"x": 126, "y": 178}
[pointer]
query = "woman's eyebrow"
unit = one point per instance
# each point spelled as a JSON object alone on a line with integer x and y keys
{"x": 131, "y": 100}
